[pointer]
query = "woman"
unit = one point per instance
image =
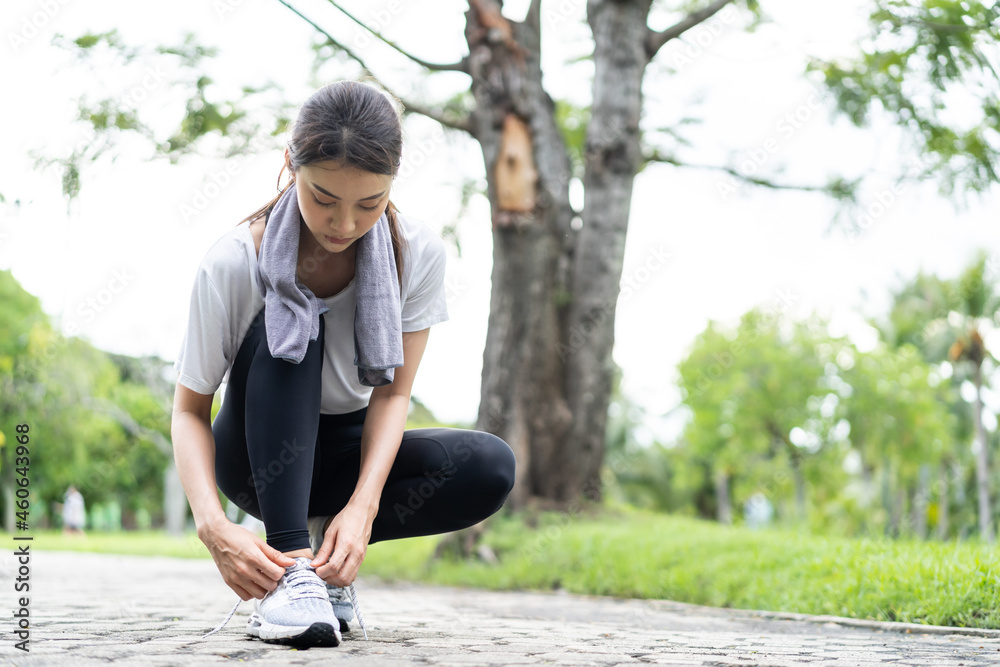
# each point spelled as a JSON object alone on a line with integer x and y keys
{"x": 301, "y": 443}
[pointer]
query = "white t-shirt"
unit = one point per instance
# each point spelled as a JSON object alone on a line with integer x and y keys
{"x": 225, "y": 299}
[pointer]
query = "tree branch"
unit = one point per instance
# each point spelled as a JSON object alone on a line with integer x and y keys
{"x": 656, "y": 39}
{"x": 534, "y": 16}
{"x": 840, "y": 189}
{"x": 461, "y": 66}
{"x": 463, "y": 123}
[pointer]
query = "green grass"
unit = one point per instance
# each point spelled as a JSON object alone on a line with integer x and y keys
{"x": 639, "y": 554}
{"x": 136, "y": 543}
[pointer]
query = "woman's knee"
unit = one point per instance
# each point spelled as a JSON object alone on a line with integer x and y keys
{"x": 494, "y": 461}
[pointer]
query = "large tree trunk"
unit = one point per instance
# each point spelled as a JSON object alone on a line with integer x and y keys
{"x": 612, "y": 160}
{"x": 547, "y": 368}
{"x": 523, "y": 397}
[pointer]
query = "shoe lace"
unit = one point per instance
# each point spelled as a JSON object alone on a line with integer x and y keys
{"x": 305, "y": 583}
{"x": 303, "y": 592}
{"x": 357, "y": 609}
{"x": 223, "y": 624}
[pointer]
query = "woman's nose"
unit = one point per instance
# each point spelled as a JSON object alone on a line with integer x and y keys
{"x": 344, "y": 224}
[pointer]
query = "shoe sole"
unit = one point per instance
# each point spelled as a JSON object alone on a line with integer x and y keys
{"x": 317, "y": 634}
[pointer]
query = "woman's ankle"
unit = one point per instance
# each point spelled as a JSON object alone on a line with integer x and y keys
{"x": 297, "y": 553}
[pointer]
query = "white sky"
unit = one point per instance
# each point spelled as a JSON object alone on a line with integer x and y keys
{"x": 757, "y": 247}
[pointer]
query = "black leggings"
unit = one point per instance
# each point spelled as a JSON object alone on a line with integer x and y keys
{"x": 282, "y": 461}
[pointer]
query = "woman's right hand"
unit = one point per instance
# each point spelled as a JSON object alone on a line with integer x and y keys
{"x": 247, "y": 564}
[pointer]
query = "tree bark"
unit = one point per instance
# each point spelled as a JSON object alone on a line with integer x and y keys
{"x": 523, "y": 397}
{"x": 613, "y": 157}
{"x": 548, "y": 367}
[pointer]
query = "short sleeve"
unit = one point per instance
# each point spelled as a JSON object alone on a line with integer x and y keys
{"x": 426, "y": 302}
{"x": 203, "y": 358}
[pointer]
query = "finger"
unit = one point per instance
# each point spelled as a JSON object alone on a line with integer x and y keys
{"x": 255, "y": 582}
{"x": 255, "y": 589}
{"x": 351, "y": 566}
{"x": 274, "y": 562}
{"x": 328, "y": 575}
{"x": 242, "y": 592}
{"x": 263, "y": 581}
{"x": 336, "y": 561}
{"x": 324, "y": 551}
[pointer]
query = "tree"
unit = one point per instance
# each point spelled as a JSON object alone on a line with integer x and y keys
{"x": 947, "y": 320}
{"x": 547, "y": 370}
{"x": 756, "y": 393}
{"x": 979, "y": 304}
{"x": 899, "y": 425}
{"x": 22, "y": 325}
{"x": 91, "y": 429}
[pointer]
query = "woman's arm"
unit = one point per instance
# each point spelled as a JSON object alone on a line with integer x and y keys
{"x": 247, "y": 564}
{"x": 346, "y": 538}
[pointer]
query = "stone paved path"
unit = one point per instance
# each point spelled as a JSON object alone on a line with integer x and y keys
{"x": 90, "y": 609}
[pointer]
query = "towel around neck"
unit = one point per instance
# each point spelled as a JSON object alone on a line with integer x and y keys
{"x": 292, "y": 310}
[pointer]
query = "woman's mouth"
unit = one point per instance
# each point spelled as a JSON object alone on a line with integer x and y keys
{"x": 335, "y": 240}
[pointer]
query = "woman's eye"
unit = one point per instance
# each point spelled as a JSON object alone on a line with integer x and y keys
{"x": 323, "y": 203}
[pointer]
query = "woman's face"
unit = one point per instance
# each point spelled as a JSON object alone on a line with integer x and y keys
{"x": 339, "y": 204}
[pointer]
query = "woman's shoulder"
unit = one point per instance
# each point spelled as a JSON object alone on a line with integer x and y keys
{"x": 230, "y": 252}
{"x": 423, "y": 240}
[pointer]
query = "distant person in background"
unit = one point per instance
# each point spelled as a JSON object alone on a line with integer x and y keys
{"x": 73, "y": 512}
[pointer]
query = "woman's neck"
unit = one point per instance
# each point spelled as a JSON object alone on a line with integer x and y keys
{"x": 322, "y": 260}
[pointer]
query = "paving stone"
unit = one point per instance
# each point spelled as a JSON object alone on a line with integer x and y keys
{"x": 91, "y": 609}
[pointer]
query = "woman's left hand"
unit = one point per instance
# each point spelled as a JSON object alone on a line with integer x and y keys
{"x": 345, "y": 544}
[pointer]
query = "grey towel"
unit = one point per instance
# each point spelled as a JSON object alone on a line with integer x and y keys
{"x": 292, "y": 311}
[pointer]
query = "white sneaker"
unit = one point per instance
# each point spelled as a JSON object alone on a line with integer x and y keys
{"x": 341, "y": 599}
{"x": 297, "y": 612}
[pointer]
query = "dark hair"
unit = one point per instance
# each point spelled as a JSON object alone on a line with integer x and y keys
{"x": 355, "y": 124}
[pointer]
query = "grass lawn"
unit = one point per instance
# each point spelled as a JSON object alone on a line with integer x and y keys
{"x": 629, "y": 553}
